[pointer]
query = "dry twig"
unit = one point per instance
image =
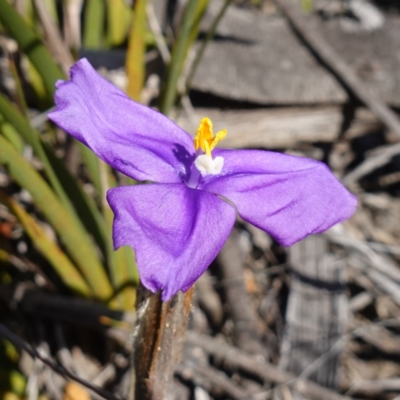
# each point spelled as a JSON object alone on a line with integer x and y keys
{"x": 250, "y": 364}
{"x": 19, "y": 343}
{"x": 212, "y": 380}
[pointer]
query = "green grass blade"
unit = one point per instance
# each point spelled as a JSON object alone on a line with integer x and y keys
{"x": 51, "y": 7}
{"x": 5, "y": 257}
{"x": 18, "y": 121}
{"x": 194, "y": 29}
{"x": 12, "y": 381}
{"x": 31, "y": 136}
{"x": 126, "y": 278}
{"x": 58, "y": 175}
{"x": 118, "y": 18}
{"x": 186, "y": 36}
{"x": 20, "y": 97}
{"x": 89, "y": 216}
{"x": 94, "y": 24}
{"x": 75, "y": 240}
{"x": 11, "y": 134}
{"x": 50, "y": 250}
{"x": 92, "y": 164}
{"x": 27, "y": 12}
{"x": 206, "y": 41}
{"x": 135, "y": 64}
{"x": 37, "y": 84}
{"x": 54, "y": 41}
{"x": 178, "y": 57}
{"x": 123, "y": 271}
{"x": 30, "y": 43}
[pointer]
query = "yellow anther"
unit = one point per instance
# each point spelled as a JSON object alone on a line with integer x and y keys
{"x": 204, "y": 139}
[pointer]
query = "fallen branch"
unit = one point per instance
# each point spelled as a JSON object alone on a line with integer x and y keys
{"x": 372, "y": 163}
{"x": 338, "y": 67}
{"x": 376, "y": 387}
{"x": 266, "y": 371}
{"x": 212, "y": 380}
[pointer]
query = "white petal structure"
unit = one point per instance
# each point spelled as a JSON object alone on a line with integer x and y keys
{"x": 208, "y": 165}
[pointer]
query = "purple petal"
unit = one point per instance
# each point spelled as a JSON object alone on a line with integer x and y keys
{"x": 134, "y": 139}
{"x": 288, "y": 197}
{"x": 176, "y": 232}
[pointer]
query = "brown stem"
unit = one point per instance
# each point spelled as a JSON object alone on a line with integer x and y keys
{"x": 157, "y": 342}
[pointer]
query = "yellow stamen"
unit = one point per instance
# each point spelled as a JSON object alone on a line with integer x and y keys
{"x": 204, "y": 139}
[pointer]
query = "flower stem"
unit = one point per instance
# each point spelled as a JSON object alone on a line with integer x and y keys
{"x": 157, "y": 342}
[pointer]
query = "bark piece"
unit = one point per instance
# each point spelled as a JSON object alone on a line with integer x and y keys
{"x": 316, "y": 312}
{"x": 277, "y": 128}
{"x": 257, "y": 58}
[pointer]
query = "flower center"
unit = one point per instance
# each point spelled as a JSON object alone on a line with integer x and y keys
{"x": 208, "y": 165}
{"x": 206, "y": 141}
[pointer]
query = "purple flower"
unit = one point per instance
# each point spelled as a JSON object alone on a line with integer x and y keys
{"x": 178, "y": 224}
